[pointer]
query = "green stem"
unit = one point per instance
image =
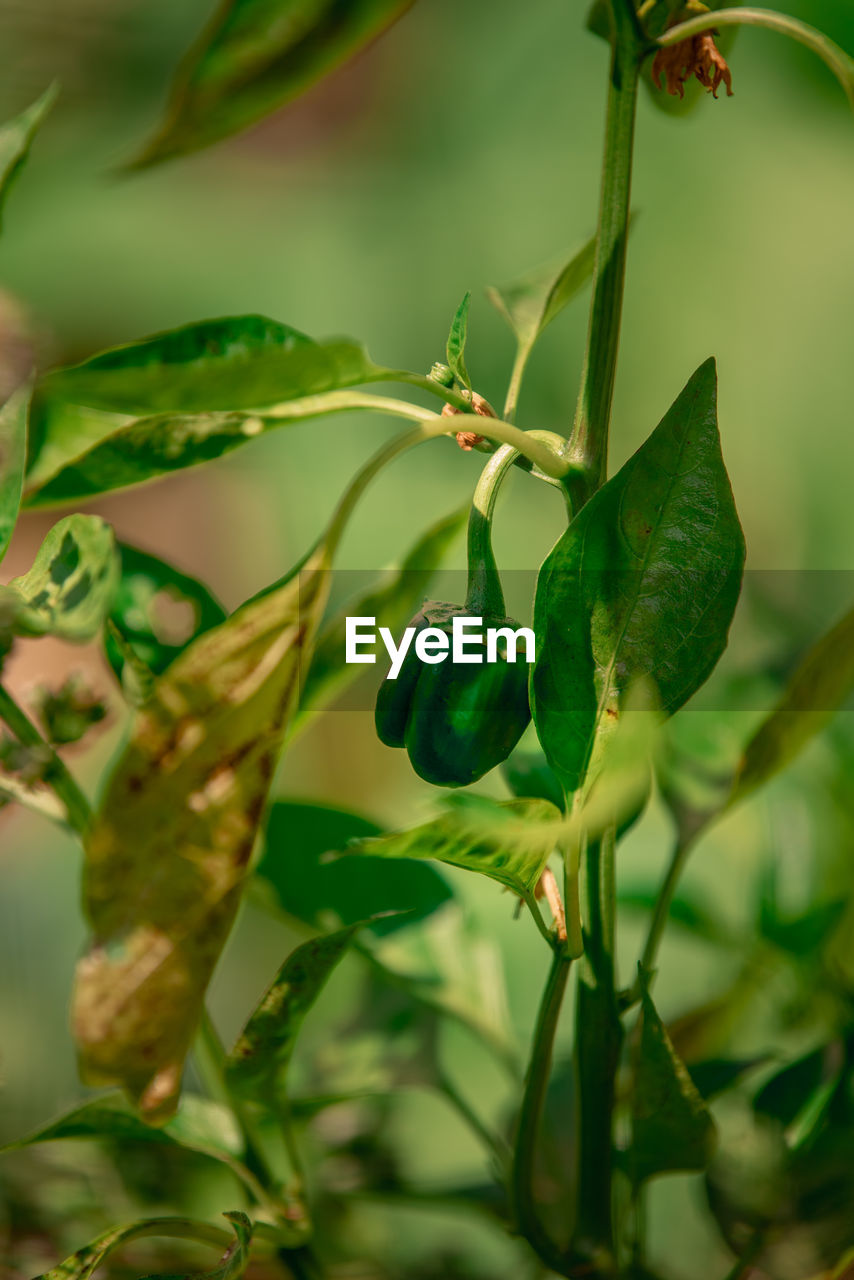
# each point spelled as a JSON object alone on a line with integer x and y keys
{"x": 662, "y": 905}
{"x": 598, "y": 1040}
{"x": 840, "y": 63}
{"x": 484, "y": 595}
{"x": 523, "y": 1171}
{"x": 588, "y": 446}
{"x": 515, "y": 384}
{"x": 57, "y": 777}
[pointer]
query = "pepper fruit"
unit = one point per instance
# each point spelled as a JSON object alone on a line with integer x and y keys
{"x": 458, "y": 721}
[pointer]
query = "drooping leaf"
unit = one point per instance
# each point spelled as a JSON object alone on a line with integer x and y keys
{"x": 166, "y": 857}
{"x": 819, "y": 686}
{"x": 671, "y": 1127}
{"x": 309, "y": 882}
{"x": 686, "y": 910}
{"x": 255, "y": 56}
{"x": 641, "y": 586}
{"x": 392, "y": 603}
{"x": 456, "y": 345}
{"x": 531, "y": 303}
{"x": 785, "y": 1095}
{"x": 16, "y": 136}
{"x": 509, "y": 841}
{"x": 180, "y": 398}
{"x": 157, "y": 612}
{"x": 84, "y": 1263}
{"x": 70, "y": 587}
{"x": 260, "y": 1058}
{"x": 13, "y": 457}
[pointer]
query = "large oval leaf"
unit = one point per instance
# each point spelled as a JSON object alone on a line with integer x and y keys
{"x": 642, "y": 586}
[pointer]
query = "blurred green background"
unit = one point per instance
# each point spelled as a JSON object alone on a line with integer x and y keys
{"x": 458, "y": 152}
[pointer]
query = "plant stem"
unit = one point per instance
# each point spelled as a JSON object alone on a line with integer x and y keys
{"x": 662, "y": 904}
{"x": 57, "y": 777}
{"x": 588, "y": 446}
{"x": 598, "y": 1039}
{"x": 494, "y": 1145}
{"x": 523, "y": 1171}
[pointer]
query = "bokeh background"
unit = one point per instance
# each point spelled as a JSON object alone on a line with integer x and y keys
{"x": 458, "y": 152}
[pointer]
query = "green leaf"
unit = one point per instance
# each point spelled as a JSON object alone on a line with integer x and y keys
{"x": 392, "y": 603}
{"x": 84, "y": 1263}
{"x": 16, "y": 137}
{"x": 510, "y": 841}
{"x": 686, "y": 910}
{"x": 456, "y": 345}
{"x": 530, "y": 304}
{"x": 69, "y": 589}
{"x": 527, "y": 773}
{"x": 167, "y": 854}
{"x": 255, "y": 56}
{"x": 818, "y": 687}
{"x": 157, "y": 612}
{"x": 260, "y": 1058}
{"x": 641, "y": 586}
{"x": 308, "y": 882}
{"x": 180, "y": 391}
{"x": 671, "y": 1126}
{"x": 13, "y": 456}
{"x": 199, "y": 1125}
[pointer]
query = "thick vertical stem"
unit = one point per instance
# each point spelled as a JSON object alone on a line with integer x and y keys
{"x": 522, "y": 1189}
{"x": 598, "y": 1039}
{"x": 588, "y": 446}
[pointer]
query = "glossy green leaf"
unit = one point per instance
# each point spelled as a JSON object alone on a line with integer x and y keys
{"x": 671, "y": 1127}
{"x": 13, "y": 457}
{"x": 16, "y": 136}
{"x": 641, "y": 586}
{"x": 84, "y": 1263}
{"x": 510, "y": 841}
{"x": 181, "y": 391}
{"x": 166, "y": 857}
{"x": 819, "y": 686}
{"x": 255, "y": 56}
{"x": 307, "y": 881}
{"x": 70, "y": 587}
{"x": 456, "y": 345}
{"x": 260, "y": 1058}
{"x": 157, "y": 611}
{"x": 531, "y": 303}
{"x": 392, "y": 603}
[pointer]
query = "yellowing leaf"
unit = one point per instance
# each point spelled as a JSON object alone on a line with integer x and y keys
{"x": 167, "y": 854}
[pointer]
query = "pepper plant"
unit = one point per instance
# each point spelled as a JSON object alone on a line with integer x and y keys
{"x": 632, "y": 612}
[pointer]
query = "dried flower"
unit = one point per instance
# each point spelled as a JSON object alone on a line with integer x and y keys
{"x": 697, "y": 56}
{"x": 468, "y": 440}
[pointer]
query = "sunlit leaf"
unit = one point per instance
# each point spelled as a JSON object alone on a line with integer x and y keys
{"x": 641, "y": 586}
{"x": 392, "y": 603}
{"x": 671, "y": 1127}
{"x": 509, "y": 841}
{"x": 157, "y": 611}
{"x": 13, "y": 456}
{"x": 255, "y": 56}
{"x": 16, "y": 137}
{"x": 819, "y": 686}
{"x": 70, "y": 587}
{"x": 260, "y": 1058}
{"x": 84, "y": 1263}
{"x": 167, "y": 855}
{"x": 309, "y": 882}
{"x": 456, "y": 345}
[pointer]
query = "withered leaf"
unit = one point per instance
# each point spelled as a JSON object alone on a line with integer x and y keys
{"x": 167, "y": 853}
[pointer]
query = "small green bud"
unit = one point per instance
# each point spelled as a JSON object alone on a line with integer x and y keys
{"x": 442, "y": 374}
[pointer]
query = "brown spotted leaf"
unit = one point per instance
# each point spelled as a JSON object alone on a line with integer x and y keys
{"x": 167, "y": 854}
